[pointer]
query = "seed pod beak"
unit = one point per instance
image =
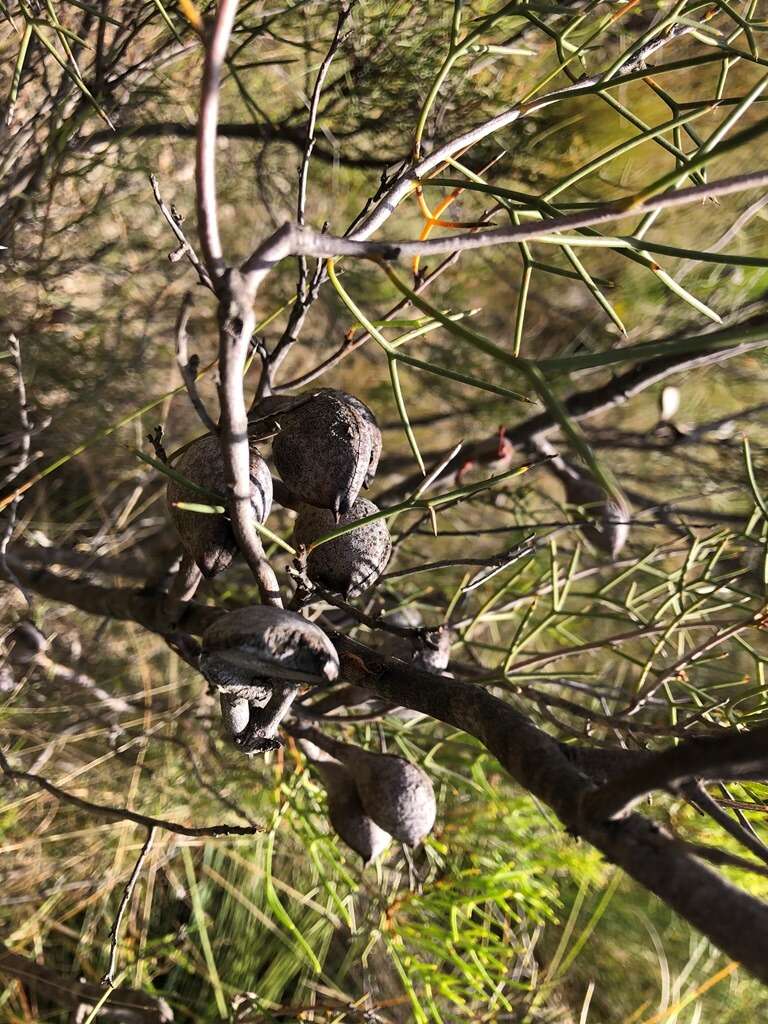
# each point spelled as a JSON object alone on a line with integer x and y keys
{"x": 258, "y": 744}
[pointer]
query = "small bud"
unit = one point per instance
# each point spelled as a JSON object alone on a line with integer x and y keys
{"x": 246, "y": 648}
{"x": 434, "y": 652}
{"x": 669, "y": 403}
{"x": 324, "y": 450}
{"x": 352, "y": 563}
{"x": 209, "y": 539}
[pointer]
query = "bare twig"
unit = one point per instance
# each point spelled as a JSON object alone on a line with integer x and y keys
{"x": 25, "y": 442}
{"x": 174, "y": 221}
{"x": 497, "y": 563}
{"x": 351, "y": 344}
{"x": 122, "y": 813}
{"x": 188, "y": 365}
{"x": 293, "y": 240}
{"x": 114, "y": 932}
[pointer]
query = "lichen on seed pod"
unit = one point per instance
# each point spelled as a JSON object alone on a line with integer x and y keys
{"x": 352, "y": 563}
{"x": 323, "y": 450}
{"x": 209, "y": 539}
{"x": 245, "y": 648}
{"x": 375, "y": 432}
{"x": 398, "y": 795}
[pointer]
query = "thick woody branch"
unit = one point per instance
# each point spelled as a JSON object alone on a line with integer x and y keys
{"x": 235, "y": 330}
{"x": 236, "y": 317}
{"x": 743, "y": 755}
{"x": 207, "y": 216}
{"x": 732, "y": 919}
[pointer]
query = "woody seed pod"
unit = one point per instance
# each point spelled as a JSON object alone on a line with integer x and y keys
{"x": 398, "y": 795}
{"x": 373, "y": 429}
{"x": 348, "y": 819}
{"x": 246, "y": 648}
{"x": 323, "y": 450}
{"x": 209, "y": 539}
{"x": 352, "y": 563}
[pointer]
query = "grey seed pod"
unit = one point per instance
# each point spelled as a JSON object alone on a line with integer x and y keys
{"x": 323, "y": 451}
{"x": 398, "y": 795}
{"x": 352, "y": 563}
{"x": 610, "y": 531}
{"x": 209, "y": 539}
{"x": 348, "y": 818}
{"x": 245, "y": 648}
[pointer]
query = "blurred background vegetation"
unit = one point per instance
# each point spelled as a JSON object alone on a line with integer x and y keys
{"x": 500, "y": 916}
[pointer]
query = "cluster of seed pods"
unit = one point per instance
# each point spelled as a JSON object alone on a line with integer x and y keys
{"x": 372, "y": 798}
{"x": 326, "y": 449}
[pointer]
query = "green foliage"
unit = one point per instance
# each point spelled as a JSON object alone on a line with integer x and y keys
{"x": 500, "y": 916}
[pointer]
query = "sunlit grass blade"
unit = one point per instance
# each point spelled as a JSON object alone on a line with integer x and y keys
{"x": 202, "y": 930}
{"x": 403, "y": 412}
